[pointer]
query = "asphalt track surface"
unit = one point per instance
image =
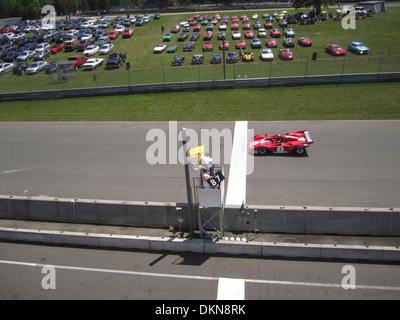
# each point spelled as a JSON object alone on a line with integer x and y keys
{"x": 351, "y": 163}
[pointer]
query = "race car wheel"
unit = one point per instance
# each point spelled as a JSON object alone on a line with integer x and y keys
{"x": 300, "y": 151}
{"x": 262, "y": 151}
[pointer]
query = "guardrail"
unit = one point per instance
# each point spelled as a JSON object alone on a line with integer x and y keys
{"x": 204, "y": 85}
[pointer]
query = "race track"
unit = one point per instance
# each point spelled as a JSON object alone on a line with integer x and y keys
{"x": 351, "y": 163}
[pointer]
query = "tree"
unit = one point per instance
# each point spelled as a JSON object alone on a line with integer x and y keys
{"x": 316, "y": 4}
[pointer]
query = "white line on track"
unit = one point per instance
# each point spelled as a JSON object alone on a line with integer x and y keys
{"x": 192, "y": 277}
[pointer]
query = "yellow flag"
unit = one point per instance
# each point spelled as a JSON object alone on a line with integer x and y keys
{"x": 196, "y": 152}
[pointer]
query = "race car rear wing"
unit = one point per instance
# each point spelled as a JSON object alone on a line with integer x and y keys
{"x": 307, "y": 135}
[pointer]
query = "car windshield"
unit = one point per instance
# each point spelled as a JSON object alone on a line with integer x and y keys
{"x": 337, "y": 47}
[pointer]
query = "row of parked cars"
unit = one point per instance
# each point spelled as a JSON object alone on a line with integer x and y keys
{"x": 29, "y": 41}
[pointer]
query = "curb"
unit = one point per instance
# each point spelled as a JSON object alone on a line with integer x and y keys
{"x": 229, "y": 247}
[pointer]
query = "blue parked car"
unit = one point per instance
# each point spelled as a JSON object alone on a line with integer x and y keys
{"x": 358, "y": 48}
{"x": 256, "y": 43}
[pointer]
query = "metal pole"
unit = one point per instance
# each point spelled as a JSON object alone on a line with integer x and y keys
{"x": 223, "y": 53}
{"x": 187, "y": 176}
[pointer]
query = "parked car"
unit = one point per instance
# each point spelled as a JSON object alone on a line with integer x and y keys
{"x": 198, "y": 58}
{"x": 236, "y": 35}
{"x": 106, "y": 48}
{"x": 113, "y": 35}
{"x": 77, "y": 61}
{"x": 172, "y": 49}
{"x": 116, "y": 59}
{"x": 335, "y": 50}
{"x": 36, "y": 67}
{"x": 247, "y": 56}
{"x": 288, "y": 42}
{"x": 275, "y": 33}
{"x": 271, "y": 43}
{"x": 26, "y": 55}
{"x": 189, "y": 46}
{"x": 224, "y": 45}
{"x": 6, "y": 67}
{"x": 241, "y": 44}
{"x": 208, "y": 35}
{"x": 232, "y": 57}
{"x": 128, "y": 33}
{"x": 70, "y": 45}
{"x": 255, "y": 44}
{"x": 266, "y": 55}
{"x": 168, "y": 37}
{"x": 358, "y": 48}
{"x": 178, "y": 60}
{"x": 249, "y": 34}
{"x": 304, "y": 41}
{"x": 285, "y": 54}
{"x": 262, "y": 33}
{"x": 176, "y": 28}
{"x": 289, "y": 33}
{"x": 160, "y": 48}
{"x": 57, "y": 48}
{"x": 216, "y": 58}
{"x": 20, "y": 67}
{"x": 92, "y": 63}
{"x": 91, "y": 50}
{"x": 41, "y": 54}
{"x": 208, "y": 46}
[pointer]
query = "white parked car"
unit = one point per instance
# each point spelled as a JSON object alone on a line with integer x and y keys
{"x": 262, "y": 33}
{"x": 92, "y": 63}
{"x": 120, "y": 28}
{"x": 36, "y": 67}
{"x": 266, "y": 54}
{"x": 26, "y": 55}
{"x": 106, "y": 48}
{"x": 236, "y": 35}
{"x": 91, "y": 50}
{"x": 6, "y": 67}
{"x": 159, "y": 48}
{"x": 43, "y": 46}
{"x": 87, "y": 36}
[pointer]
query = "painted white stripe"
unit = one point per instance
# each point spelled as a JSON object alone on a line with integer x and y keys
{"x": 223, "y": 283}
{"x": 236, "y": 191}
{"x": 231, "y": 289}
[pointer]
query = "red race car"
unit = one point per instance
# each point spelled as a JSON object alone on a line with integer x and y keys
{"x": 295, "y": 142}
{"x": 335, "y": 50}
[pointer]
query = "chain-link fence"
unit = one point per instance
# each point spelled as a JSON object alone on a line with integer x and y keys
{"x": 302, "y": 65}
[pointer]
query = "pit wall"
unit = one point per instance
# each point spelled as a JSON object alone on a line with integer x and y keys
{"x": 269, "y": 219}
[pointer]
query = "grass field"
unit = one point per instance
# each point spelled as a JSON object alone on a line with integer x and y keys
{"x": 334, "y": 102}
{"x": 363, "y": 101}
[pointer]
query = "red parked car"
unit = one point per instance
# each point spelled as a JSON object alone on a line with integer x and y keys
{"x": 275, "y": 33}
{"x": 335, "y": 50}
{"x": 271, "y": 43}
{"x": 249, "y": 34}
{"x": 127, "y": 33}
{"x": 224, "y": 45}
{"x": 175, "y": 29}
{"x": 268, "y": 25}
{"x": 207, "y": 46}
{"x": 77, "y": 61}
{"x": 113, "y": 35}
{"x": 240, "y": 44}
{"x": 208, "y": 35}
{"x": 304, "y": 42}
{"x": 286, "y": 54}
{"x": 295, "y": 142}
{"x": 57, "y": 48}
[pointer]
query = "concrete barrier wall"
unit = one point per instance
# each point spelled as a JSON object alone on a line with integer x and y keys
{"x": 286, "y": 250}
{"x": 297, "y": 220}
